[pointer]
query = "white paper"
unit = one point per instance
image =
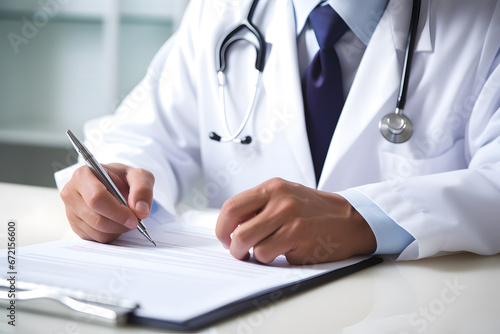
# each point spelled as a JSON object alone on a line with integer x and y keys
{"x": 188, "y": 274}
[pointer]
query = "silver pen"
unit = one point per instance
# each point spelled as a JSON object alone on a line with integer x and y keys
{"x": 101, "y": 174}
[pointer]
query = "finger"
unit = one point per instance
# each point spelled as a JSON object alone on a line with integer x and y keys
{"x": 73, "y": 222}
{"x": 280, "y": 210}
{"x": 76, "y": 207}
{"x": 252, "y": 232}
{"x": 297, "y": 245}
{"x": 99, "y": 222}
{"x": 99, "y": 199}
{"x": 140, "y": 198}
{"x": 238, "y": 209}
{"x": 273, "y": 246}
{"x": 87, "y": 232}
{"x": 84, "y": 215}
{"x": 272, "y": 232}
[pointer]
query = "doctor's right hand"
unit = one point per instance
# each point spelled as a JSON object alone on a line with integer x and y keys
{"x": 95, "y": 214}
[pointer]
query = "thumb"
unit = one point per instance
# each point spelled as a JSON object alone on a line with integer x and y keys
{"x": 140, "y": 197}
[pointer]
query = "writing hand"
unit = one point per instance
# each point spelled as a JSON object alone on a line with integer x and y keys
{"x": 95, "y": 214}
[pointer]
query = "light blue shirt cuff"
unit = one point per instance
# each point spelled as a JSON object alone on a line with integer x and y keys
{"x": 391, "y": 238}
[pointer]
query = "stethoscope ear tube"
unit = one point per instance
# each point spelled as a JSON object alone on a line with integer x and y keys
{"x": 214, "y": 136}
{"x": 245, "y": 141}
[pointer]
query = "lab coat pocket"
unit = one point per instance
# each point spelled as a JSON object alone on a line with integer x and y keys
{"x": 417, "y": 160}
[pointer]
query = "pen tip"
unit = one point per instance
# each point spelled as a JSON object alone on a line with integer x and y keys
{"x": 144, "y": 232}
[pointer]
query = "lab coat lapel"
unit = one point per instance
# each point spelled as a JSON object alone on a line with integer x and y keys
{"x": 374, "y": 91}
{"x": 282, "y": 84}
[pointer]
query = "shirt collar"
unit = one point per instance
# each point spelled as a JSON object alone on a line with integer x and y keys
{"x": 360, "y": 15}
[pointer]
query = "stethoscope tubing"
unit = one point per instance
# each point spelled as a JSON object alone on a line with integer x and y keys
{"x": 231, "y": 36}
{"x": 395, "y": 127}
{"x": 410, "y": 47}
{"x": 225, "y": 42}
{"x": 222, "y": 100}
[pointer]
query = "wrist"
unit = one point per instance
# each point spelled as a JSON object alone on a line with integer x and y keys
{"x": 364, "y": 241}
{"x": 358, "y": 235}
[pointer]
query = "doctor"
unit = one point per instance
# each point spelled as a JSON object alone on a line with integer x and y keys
{"x": 434, "y": 193}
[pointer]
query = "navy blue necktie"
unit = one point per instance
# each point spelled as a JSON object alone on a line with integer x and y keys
{"x": 322, "y": 85}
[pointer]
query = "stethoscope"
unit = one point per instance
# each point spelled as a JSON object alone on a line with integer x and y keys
{"x": 395, "y": 127}
{"x": 225, "y": 42}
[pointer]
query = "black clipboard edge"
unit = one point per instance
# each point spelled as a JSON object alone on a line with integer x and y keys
{"x": 254, "y": 301}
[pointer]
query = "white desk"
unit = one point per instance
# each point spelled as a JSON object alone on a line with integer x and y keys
{"x": 453, "y": 294}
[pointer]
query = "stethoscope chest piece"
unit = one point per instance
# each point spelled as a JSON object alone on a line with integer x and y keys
{"x": 396, "y": 128}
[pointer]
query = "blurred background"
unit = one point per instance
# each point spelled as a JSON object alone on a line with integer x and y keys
{"x": 63, "y": 62}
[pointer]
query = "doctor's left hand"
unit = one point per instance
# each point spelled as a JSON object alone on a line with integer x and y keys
{"x": 305, "y": 224}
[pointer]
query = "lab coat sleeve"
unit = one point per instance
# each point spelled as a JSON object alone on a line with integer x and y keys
{"x": 457, "y": 210}
{"x": 155, "y": 127}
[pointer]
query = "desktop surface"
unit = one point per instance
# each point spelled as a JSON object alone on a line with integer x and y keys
{"x": 451, "y": 294}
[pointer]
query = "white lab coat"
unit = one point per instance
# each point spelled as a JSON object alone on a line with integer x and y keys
{"x": 442, "y": 186}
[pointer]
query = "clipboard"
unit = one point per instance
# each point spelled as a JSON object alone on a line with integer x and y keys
{"x": 255, "y": 301}
{"x": 214, "y": 287}
{"x": 84, "y": 307}
{"x": 78, "y": 306}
